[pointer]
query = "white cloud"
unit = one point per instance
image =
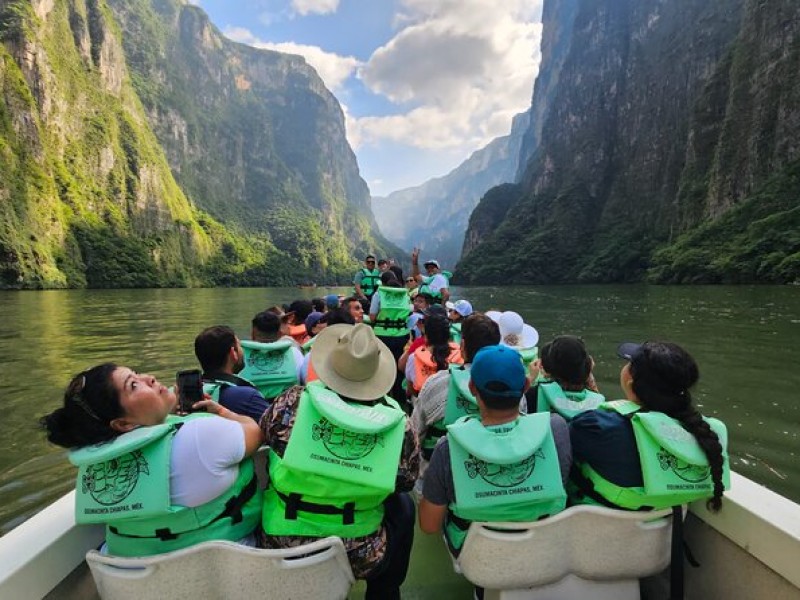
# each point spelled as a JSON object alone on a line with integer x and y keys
{"x": 319, "y": 7}
{"x": 465, "y": 67}
{"x": 332, "y": 68}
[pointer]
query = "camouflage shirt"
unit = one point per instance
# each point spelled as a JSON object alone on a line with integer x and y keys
{"x": 364, "y": 552}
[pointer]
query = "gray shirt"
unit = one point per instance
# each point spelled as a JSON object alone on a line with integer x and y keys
{"x": 438, "y": 487}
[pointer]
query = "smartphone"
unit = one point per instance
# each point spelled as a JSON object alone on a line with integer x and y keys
{"x": 190, "y": 389}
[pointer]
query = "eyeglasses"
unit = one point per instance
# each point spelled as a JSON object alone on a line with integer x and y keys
{"x": 410, "y": 280}
{"x": 370, "y": 262}
{"x": 74, "y": 392}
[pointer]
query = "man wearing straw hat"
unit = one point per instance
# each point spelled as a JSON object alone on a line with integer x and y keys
{"x": 342, "y": 457}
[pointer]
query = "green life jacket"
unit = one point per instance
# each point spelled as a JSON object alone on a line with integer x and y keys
{"x": 425, "y": 287}
{"x": 675, "y": 469}
{"x": 370, "y": 281}
{"x": 339, "y": 466}
{"x": 270, "y": 367}
{"x": 214, "y": 387}
{"x": 504, "y": 472}
{"x": 460, "y": 400}
{"x": 551, "y": 398}
{"x": 124, "y": 483}
{"x": 528, "y": 355}
{"x": 306, "y": 348}
{"x": 455, "y": 332}
{"x": 392, "y": 319}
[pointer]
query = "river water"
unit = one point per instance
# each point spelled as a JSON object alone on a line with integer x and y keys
{"x": 745, "y": 339}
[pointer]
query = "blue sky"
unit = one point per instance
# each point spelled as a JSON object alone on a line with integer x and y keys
{"x": 423, "y": 83}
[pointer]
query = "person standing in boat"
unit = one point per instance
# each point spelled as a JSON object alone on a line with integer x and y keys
{"x": 388, "y": 315}
{"x": 221, "y": 357}
{"x": 434, "y": 282}
{"x": 367, "y": 278}
{"x": 342, "y": 457}
{"x": 502, "y": 466}
{"x": 158, "y": 482}
{"x": 653, "y": 449}
{"x": 563, "y": 380}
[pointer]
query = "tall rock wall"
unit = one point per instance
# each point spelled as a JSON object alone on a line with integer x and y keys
{"x": 659, "y": 119}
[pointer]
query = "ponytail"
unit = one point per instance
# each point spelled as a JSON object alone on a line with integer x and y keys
{"x": 90, "y": 404}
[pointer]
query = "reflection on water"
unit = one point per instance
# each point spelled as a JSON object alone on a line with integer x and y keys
{"x": 746, "y": 340}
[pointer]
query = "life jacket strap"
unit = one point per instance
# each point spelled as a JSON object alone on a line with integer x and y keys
{"x": 586, "y": 487}
{"x": 233, "y": 509}
{"x": 294, "y": 503}
{"x": 390, "y": 323}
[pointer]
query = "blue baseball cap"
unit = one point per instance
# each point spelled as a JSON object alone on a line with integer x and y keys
{"x": 332, "y": 301}
{"x": 498, "y": 371}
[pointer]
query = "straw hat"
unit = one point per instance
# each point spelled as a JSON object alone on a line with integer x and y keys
{"x": 352, "y": 362}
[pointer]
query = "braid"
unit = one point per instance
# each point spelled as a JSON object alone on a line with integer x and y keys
{"x": 694, "y": 423}
{"x": 662, "y": 375}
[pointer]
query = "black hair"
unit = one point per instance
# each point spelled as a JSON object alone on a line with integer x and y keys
{"x": 212, "y": 345}
{"x": 498, "y": 401}
{"x": 397, "y": 270}
{"x": 318, "y": 304}
{"x": 266, "y": 326}
{"x": 567, "y": 361}
{"x": 437, "y": 336}
{"x": 91, "y": 402}
{"x": 389, "y": 279}
{"x": 301, "y": 310}
{"x": 478, "y": 331}
{"x": 425, "y": 296}
{"x": 340, "y": 315}
{"x": 662, "y": 374}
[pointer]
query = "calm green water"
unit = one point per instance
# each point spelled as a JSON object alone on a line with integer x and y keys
{"x": 746, "y": 340}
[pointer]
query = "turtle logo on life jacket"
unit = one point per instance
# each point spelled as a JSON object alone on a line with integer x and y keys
{"x": 112, "y": 481}
{"x": 687, "y": 472}
{"x": 344, "y": 444}
{"x": 504, "y": 476}
{"x": 463, "y": 403}
{"x": 269, "y": 362}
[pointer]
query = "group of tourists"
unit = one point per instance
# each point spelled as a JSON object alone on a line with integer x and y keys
{"x": 359, "y": 400}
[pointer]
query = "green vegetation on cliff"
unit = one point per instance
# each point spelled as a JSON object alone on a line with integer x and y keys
{"x": 87, "y": 192}
{"x": 667, "y": 150}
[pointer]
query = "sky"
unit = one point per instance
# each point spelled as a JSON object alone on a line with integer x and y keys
{"x": 422, "y": 83}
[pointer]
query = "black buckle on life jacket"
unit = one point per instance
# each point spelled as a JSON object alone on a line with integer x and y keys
{"x": 165, "y": 534}
{"x": 294, "y": 503}
{"x": 233, "y": 507}
{"x": 391, "y": 323}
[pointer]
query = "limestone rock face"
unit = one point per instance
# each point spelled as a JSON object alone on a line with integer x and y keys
{"x": 253, "y": 136}
{"x": 139, "y": 147}
{"x": 656, "y": 125}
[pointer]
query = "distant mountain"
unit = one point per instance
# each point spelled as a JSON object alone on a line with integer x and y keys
{"x": 663, "y": 146}
{"x": 434, "y": 215}
{"x": 139, "y": 147}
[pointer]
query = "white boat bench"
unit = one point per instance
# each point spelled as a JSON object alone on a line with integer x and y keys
{"x": 583, "y": 552}
{"x": 227, "y": 570}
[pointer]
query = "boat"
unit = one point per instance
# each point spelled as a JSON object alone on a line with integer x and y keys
{"x": 749, "y": 549}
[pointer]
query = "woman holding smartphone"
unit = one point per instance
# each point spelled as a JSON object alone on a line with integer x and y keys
{"x": 160, "y": 482}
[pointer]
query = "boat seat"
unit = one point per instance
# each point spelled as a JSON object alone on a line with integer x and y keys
{"x": 583, "y": 552}
{"x": 221, "y": 569}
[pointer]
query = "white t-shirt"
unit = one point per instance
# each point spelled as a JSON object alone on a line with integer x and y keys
{"x": 205, "y": 460}
{"x": 436, "y": 283}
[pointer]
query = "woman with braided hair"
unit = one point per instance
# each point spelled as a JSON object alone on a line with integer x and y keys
{"x": 653, "y": 449}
